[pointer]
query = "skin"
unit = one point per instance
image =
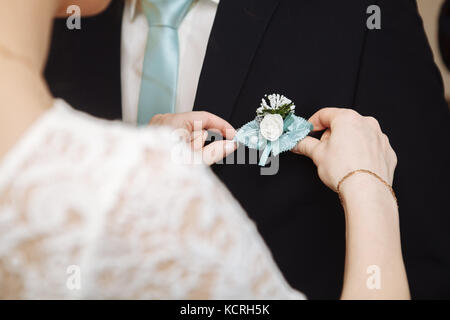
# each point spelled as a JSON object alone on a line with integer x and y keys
{"x": 350, "y": 142}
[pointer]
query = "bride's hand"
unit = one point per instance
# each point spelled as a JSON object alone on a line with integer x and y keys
{"x": 194, "y": 126}
{"x": 350, "y": 142}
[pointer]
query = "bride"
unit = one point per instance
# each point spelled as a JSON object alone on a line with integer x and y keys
{"x": 78, "y": 193}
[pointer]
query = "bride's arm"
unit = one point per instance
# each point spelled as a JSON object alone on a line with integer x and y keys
{"x": 374, "y": 266}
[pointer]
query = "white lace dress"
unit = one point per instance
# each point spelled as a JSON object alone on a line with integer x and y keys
{"x": 94, "y": 209}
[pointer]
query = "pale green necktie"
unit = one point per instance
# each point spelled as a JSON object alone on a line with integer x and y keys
{"x": 160, "y": 72}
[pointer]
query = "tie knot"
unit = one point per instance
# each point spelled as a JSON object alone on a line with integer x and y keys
{"x": 168, "y": 13}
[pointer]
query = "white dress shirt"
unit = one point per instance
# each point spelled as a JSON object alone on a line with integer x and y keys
{"x": 193, "y": 36}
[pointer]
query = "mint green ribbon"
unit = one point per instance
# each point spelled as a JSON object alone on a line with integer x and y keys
{"x": 266, "y": 153}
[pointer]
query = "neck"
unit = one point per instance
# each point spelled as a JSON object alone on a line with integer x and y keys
{"x": 24, "y": 38}
{"x": 24, "y": 97}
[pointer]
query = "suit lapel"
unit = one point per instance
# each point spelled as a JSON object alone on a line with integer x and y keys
{"x": 237, "y": 31}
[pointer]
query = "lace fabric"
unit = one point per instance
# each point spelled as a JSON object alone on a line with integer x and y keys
{"x": 108, "y": 199}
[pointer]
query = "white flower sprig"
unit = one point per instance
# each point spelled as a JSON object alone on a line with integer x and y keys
{"x": 275, "y": 104}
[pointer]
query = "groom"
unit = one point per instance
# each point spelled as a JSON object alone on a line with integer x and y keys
{"x": 318, "y": 53}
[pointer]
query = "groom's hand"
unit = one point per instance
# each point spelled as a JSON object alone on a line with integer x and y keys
{"x": 194, "y": 127}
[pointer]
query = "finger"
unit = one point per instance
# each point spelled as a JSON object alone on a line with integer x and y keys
{"x": 323, "y": 118}
{"x": 208, "y": 121}
{"x": 198, "y": 139}
{"x": 156, "y": 119}
{"x": 306, "y": 147}
{"x": 218, "y": 150}
{"x": 373, "y": 122}
{"x": 325, "y": 135}
{"x": 182, "y": 135}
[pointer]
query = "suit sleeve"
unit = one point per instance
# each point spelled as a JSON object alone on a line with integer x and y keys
{"x": 400, "y": 85}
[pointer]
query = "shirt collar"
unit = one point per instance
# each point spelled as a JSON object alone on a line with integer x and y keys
{"x": 133, "y": 7}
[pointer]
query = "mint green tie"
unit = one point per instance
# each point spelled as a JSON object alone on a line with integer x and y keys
{"x": 160, "y": 72}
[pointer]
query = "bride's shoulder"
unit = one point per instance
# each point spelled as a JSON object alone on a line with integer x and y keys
{"x": 72, "y": 143}
{"x": 84, "y": 126}
{"x": 114, "y": 141}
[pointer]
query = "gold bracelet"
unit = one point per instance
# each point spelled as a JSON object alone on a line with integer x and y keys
{"x": 367, "y": 172}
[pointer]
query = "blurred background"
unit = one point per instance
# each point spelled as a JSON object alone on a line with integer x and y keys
{"x": 430, "y": 10}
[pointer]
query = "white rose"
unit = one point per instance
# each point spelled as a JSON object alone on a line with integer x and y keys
{"x": 271, "y": 127}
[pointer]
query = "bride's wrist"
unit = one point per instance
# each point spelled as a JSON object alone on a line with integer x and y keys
{"x": 362, "y": 190}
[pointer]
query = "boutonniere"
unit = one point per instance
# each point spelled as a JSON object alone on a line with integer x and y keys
{"x": 275, "y": 129}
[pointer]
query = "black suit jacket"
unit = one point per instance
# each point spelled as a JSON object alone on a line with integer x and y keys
{"x": 444, "y": 33}
{"x": 319, "y": 53}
